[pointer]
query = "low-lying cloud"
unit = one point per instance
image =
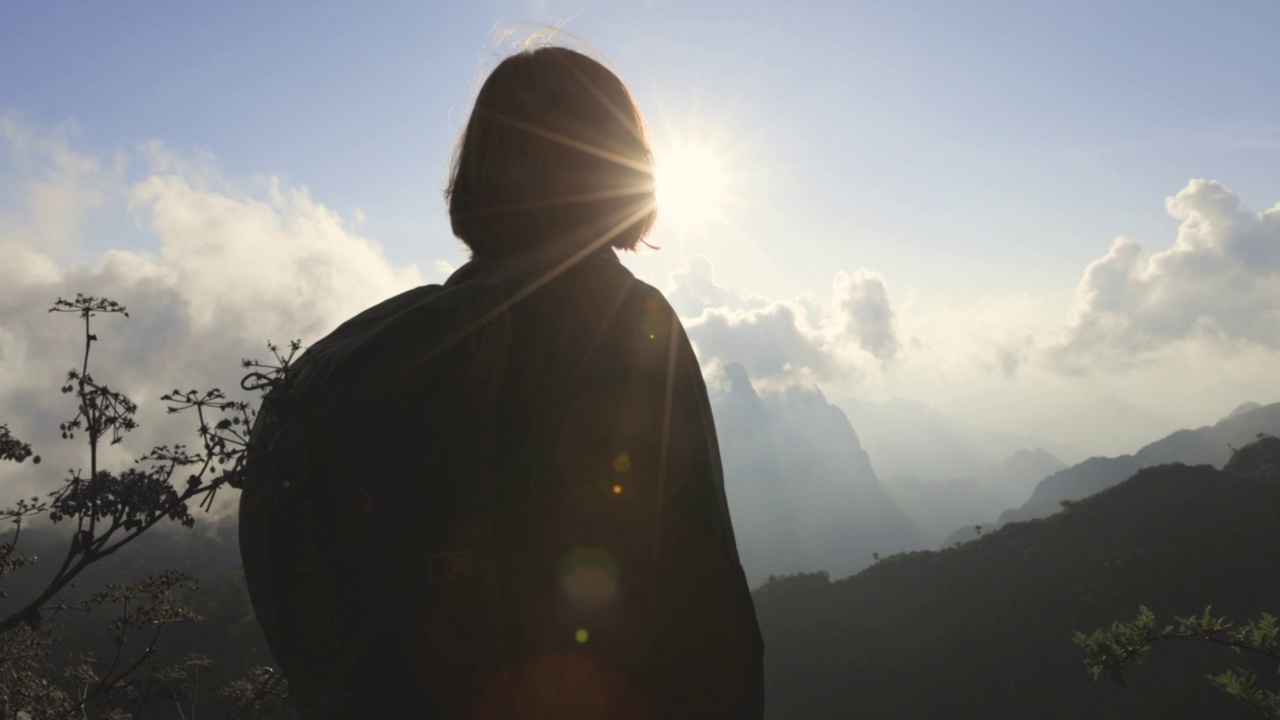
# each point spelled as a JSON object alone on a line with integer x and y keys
{"x": 1218, "y": 286}
{"x": 805, "y": 338}
{"x": 864, "y": 299}
{"x": 229, "y": 266}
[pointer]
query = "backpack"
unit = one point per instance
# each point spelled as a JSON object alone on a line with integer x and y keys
{"x": 377, "y": 577}
{"x": 333, "y": 540}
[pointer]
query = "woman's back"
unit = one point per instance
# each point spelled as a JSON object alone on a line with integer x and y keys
{"x": 618, "y": 552}
{"x": 538, "y": 524}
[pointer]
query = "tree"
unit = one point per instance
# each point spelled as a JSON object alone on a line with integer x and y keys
{"x": 106, "y": 511}
{"x": 1111, "y": 649}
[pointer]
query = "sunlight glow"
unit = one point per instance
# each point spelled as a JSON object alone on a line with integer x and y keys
{"x": 692, "y": 184}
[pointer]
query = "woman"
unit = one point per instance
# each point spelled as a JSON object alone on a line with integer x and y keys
{"x": 589, "y": 546}
{"x": 607, "y": 447}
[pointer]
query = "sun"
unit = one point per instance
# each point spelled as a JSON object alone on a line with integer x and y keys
{"x": 691, "y": 183}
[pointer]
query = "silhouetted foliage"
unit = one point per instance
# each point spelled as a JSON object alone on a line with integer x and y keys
{"x": 106, "y": 511}
{"x": 1110, "y": 650}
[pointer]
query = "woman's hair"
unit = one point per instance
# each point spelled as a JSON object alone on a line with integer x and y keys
{"x": 554, "y": 156}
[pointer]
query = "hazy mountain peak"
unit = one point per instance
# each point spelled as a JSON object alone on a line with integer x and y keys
{"x": 738, "y": 382}
{"x": 1242, "y": 409}
{"x": 1015, "y": 477}
{"x": 800, "y": 486}
{"x": 806, "y": 397}
{"x": 1037, "y": 460}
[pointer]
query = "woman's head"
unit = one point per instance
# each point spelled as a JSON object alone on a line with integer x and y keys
{"x": 554, "y": 155}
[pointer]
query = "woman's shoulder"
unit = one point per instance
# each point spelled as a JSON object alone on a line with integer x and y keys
{"x": 596, "y": 306}
{"x": 613, "y": 294}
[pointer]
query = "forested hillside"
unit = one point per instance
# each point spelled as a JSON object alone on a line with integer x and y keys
{"x": 984, "y": 630}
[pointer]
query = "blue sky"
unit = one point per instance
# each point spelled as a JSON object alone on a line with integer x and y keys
{"x": 976, "y": 157}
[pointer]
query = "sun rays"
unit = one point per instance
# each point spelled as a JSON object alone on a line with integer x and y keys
{"x": 692, "y": 184}
{"x": 709, "y": 168}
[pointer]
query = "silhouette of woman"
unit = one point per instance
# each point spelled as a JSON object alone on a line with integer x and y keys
{"x": 537, "y": 532}
{"x": 625, "y": 594}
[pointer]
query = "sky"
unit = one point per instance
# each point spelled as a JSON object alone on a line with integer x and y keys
{"x": 1010, "y": 212}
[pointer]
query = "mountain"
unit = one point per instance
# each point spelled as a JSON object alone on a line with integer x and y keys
{"x": 1243, "y": 408}
{"x": 1016, "y": 477}
{"x": 1212, "y": 445}
{"x": 946, "y": 474}
{"x": 908, "y": 439}
{"x": 940, "y": 506}
{"x": 801, "y": 489}
{"x": 984, "y": 630}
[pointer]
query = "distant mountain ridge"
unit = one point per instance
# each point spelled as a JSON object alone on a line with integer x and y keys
{"x": 939, "y": 506}
{"x": 1208, "y": 445}
{"x": 1244, "y": 408}
{"x": 1017, "y": 476}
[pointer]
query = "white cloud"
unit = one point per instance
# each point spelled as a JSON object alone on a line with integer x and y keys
{"x": 1217, "y": 288}
{"x": 864, "y": 299}
{"x": 233, "y": 265}
{"x": 49, "y": 189}
{"x": 694, "y": 289}
{"x": 800, "y": 339}
{"x": 769, "y": 342}
{"x": 1200, "y": 317}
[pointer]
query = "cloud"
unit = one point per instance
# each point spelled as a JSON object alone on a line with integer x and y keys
{"x": 694, "y": 289}
{"x": 768, "y": 342}
{"x": 798, "y": 339}
{"x": 228, "y": 266}
{"x": 1218, "y": 286}
{"x": 1008, "y": 359}
{"x": 864, "y": 298}
{"x": 1202, "y": 316}
{"x": 50, "y": 189}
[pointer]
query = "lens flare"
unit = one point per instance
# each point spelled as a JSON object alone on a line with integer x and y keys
{"x": 589, "y": 579}
{"x": 622, "y": 462}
